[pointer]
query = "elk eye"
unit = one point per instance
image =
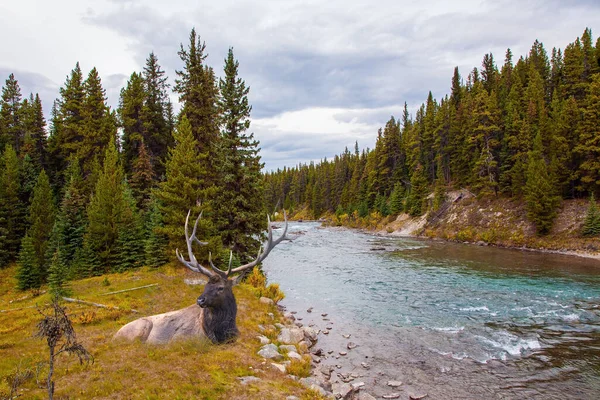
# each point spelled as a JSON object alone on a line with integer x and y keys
{"x": 220, "y": 289}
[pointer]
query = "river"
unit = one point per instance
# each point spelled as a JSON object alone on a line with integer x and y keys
{"x": 449, "y": 320}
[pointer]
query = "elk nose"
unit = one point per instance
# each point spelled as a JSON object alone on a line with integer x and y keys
{"x": 201, "y": 301}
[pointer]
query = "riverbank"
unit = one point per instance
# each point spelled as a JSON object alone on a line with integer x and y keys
{"x": 491, "y": 221}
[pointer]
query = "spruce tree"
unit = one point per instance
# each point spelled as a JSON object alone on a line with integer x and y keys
{"x": 157, "y": 115}
{"x": 129, "y": 245}
{"x": 41, "y": 221}
{"x": 141, "y": 180}
{"x": 416, "y": 200}
{"x": 107, "y": 214}
{"x": 541, "y": 197}
{"x": 35, "y": 143}
{"x": 28, "y": 273}
{"x": 67, "y": 125}
{"x": 183, "y": 190}
{"x": 58, "y": 274}
{"x": 131, "y": 104}
{"x": 591, "y": 224}
{"x": 12, "y": 212}
{"x": 11, "y": 127}
{"x": 588, "y": 146}
{"x": 239, "y": 204}
{"x": 155, "y": 245}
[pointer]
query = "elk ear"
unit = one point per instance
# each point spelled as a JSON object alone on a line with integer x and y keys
{"x": 214, "y": 279}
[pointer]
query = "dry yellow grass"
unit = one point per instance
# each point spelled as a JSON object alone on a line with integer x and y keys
{"x": 193, "y": 369}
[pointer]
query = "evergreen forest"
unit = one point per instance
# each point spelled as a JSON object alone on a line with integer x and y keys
{"x": 96, "y": 190}
{"x": 527, "y": 129}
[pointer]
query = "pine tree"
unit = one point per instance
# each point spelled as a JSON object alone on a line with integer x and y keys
{"x": 12, "y": 212}
{"x": 58, "y": 275}
{"x": 183, "y": 190}
{"x": 129, "y": 245}
{"x": 588, "y": 147}
{"x": 107, "y": 214}
{"x": 11, "y": 127}
{"x": 157, "y": 115}
{"x": 416, "y": 200}
{"x": 239, "y": 204}
{"x": 397, "y": 199}
{"x": 141, "y": 180}
{"x": 28, "y": 273}
{"x": 131, "y": 104}
{"x": 41, "y": 221}
{"x": 155, "y": 245}
{"x": 198, "y": 93}
{"x": 541, "y": 196}
{"x": 591, "y": 225}
{"x": 67, "y": 125}
{"x": 98, "y": 125}
{"x": 35, "y": 143}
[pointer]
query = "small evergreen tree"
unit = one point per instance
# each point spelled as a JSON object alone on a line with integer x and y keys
{"x": 415, "y": 203}
{"x": 397, "y": 199}
{"x": 12, "y": 220}
{"x": 41, "y": 220}
{"x": 591, "y": 225}
{"x": 28, "y": 273}
{"x": 540, "y": 190}
{"x": 58, "y": 275}
{"x": 155, "y": 245}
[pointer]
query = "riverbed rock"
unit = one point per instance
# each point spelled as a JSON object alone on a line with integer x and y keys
{"x": 294, "y": 355}
{"x": 342, "y": 391}
{"x": 270, "y": 352}
{"x": 314, "y": 384}
{"x": 351, "y": 345}
{"x": 310, "y": 333}
{"x": 391, "y": 396}
{"x": 364, "y": 396}
{"x": 291, "y": 335}
{"x": 394, "y": 384}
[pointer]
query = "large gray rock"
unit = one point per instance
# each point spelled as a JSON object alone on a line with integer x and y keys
{"x": 310, "y": 333}
{"x": 364, "y": 396}
{"x": 291, "y": 335}
{"x": 270, "y": 352}
{"x": 342, "y": 391}
{"x": 287, "y": 347}
{"x": 294, "y": 355}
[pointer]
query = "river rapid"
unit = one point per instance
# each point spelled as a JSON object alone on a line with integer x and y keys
{"x": 449, "y": 320}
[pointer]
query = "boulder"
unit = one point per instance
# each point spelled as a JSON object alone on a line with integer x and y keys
{"x": 310, "y": 333}
{"x": 287, "y": 347}
{"x": 279, "y": 367}
{"x": 294, "y": 355}
{"x": 291, "y": 335}
{"x": 263, "y": 339}
{"x": 342, "y": 391}
{"x": 270, "y": 351}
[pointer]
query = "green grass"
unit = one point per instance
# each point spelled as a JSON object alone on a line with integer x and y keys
{"x": 187, "y": 369}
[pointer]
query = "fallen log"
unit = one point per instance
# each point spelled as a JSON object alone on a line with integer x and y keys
{"x": 129, "y": 290}
{"x": 89, "y": 303}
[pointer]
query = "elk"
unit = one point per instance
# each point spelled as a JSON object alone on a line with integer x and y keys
{"x": 214, "y": 314}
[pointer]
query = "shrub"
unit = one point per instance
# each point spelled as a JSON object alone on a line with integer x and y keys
{"x": 591, "y": 225}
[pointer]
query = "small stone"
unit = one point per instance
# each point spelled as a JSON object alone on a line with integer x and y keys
{"x": 291, "y": 335}
{"x": 270, "y": 351}
{"x": 315, "y": 359}
{"x": 351, "y": 345}
{"x": 279, "y": 367}
{"x": 263, "y": 339}
{"x": 346, "y": 336}
{"x": 365, "y": 365}
{"x": 329, "y": 328}
{"x": 271, "y": 315}
{"x": 299, "y": 318}
{"x": 343, "y": 353}
{"x": 318, "y": 352}
{"x": 289, "y": 316}
{"x": 324, "y": 315}
{"x": 294, "y": 355}
{"x": 309, "y": 310}
{"x": 299, "y": 324}
{"x": 266, "y": 300}
{"x": 364, "y": 396}
{"x": 244, "y": 380}
{"x": 325, "y": 332}
{"x": 280, "y": 326}
{"x": 394, "y": 384}
{"x": 325, "y": 319}
{"x": 357, "y": 385}
{"x": 330, "y": 352}
{"x": 293, "y": 312}
{"x": 292, "y": 398}
{"x": 391, "y": 396}
{"x": 416, "y": 397}
{"x": 342, "y": 391}
{"x": 287, "y": 347}
{"x": 338, "y": 366}
{"x": 311, "y": 334}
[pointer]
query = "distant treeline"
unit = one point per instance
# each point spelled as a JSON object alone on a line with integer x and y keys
{"x": 529, "y": 130}
{"x": 109, "y": 190}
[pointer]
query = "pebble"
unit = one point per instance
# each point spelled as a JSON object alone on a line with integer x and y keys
{"x": 324, "y": 315}
{"x": 343, "y": 353}
{"x": 325, "y": 332}
{"x": 351, "y": 345}
{"x": 365, "y": 365}
{"x": 394, "y": 383}
{"x": 346, "y": 336}
{"x": 309, "y": 310}
{"x": 391, "y": 396}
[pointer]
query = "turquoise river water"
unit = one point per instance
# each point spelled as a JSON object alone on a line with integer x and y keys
{"x": 453, "y": 321}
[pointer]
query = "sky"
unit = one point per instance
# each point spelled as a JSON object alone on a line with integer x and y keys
{"x": 323, "y": 75}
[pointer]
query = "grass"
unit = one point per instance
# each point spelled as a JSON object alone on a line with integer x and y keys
{"x": 188, "y": 369}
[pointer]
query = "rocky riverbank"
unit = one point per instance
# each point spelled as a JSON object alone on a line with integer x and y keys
{"x": 340, "y": 367}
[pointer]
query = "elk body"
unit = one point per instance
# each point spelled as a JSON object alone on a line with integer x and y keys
{"x": 214, "y": 314}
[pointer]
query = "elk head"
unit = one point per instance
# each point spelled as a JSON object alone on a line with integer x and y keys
{"x": 217, "y": 300}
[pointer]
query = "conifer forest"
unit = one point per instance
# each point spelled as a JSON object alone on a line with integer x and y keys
{"x": 95, "y": 190}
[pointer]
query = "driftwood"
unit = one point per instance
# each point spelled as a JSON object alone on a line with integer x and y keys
{"x": 17, "y": 309}
{"x": 129, "y": 290}
{"x": 89, "y": 303}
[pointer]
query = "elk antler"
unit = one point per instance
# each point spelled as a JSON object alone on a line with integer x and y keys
{"x": 195, "y": 266}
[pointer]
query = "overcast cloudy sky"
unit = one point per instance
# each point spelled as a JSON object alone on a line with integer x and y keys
{"x": 322, "y": 74}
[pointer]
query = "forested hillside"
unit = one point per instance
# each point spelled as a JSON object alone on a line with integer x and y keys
{"x": 528, "y": 130}
{"x": 101, "y": 190}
